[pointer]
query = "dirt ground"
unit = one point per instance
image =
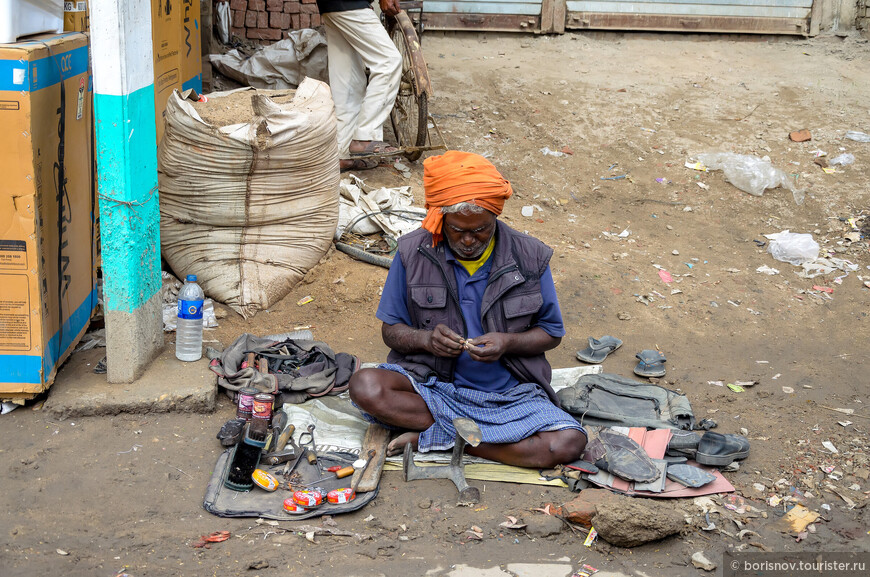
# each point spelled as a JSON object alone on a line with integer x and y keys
{"x": 78, "y": 500}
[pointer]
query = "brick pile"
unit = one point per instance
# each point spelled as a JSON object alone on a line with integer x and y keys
{"x": 266, "y": 21}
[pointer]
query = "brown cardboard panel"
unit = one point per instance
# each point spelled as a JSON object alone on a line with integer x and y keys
{"x": 47, "y": 275}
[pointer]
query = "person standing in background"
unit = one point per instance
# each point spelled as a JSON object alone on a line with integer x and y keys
{"x": 356, "y": 41}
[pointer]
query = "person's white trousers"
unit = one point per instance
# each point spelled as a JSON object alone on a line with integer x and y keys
{"x": 356, "y": 41}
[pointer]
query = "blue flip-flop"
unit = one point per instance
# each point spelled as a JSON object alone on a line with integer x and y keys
{"x": 598, "y": 349}
{"x": 652, "y": 364}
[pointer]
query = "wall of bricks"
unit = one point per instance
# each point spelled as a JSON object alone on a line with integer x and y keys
{"x": 266, "y": 21}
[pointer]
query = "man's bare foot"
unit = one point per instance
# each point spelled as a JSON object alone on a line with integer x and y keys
{"x": 363, "y": 147}
{"x": 397, "y": 445}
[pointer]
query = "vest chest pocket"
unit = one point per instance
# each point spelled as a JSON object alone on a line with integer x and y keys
{"x": 520, "y": 311}
{"x": 430, "y": 306}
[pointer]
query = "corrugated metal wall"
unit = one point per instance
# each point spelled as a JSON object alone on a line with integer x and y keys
{"x": 755, "y": 16}
{"x": 752, "y": 16}
{"x": 509, "y": 15}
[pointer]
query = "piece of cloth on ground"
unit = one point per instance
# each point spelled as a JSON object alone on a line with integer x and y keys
{"x": 506, "y": 417}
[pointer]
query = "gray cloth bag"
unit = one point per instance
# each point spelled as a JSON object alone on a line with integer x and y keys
{"x": 608, "y": 400}
{"x": 314, "y": 376}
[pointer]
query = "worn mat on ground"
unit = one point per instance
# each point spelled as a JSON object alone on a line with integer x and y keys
{"x": 226, "y": 502}
{"x": 339, "y": 427}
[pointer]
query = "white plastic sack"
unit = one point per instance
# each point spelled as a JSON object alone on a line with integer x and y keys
{"x": 279, "y": 66}
{"x": 222, "y": 10}
{"x": 391, "y": 209}
{"x": 249, "y": 207}
{"x": 750, "y": 173}
{"x": 793, "y": 248}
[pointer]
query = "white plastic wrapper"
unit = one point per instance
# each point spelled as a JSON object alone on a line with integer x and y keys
{"x": 750, "y": 173}
{"x": 793, "y": 248}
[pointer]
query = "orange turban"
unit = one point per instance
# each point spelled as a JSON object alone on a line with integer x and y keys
{"x": 456, "y": 177}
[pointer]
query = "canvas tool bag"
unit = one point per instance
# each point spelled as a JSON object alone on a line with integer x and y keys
{"x": 298, "y": 369}
{"x": 608, "y": 400}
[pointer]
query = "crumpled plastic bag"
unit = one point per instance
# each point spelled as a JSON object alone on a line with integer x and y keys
{"x": 750, "y": 173}
{"x": 792, "y": 247}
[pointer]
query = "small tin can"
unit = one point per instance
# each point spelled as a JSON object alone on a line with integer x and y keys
{"x": 265, "y": 480}
{"x": 246, "y": 403}
{"x": 292, "y": 506}
{"x": 339, "y": 496}
{"x": 262, "y": 408}
{"x": 308, "y": 498}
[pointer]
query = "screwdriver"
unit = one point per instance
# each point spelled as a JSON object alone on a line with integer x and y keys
{"x": 339, "y": 474}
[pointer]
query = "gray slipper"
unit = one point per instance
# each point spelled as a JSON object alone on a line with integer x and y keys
{"x": 689, "y": 476}
{"x": 598, "y": 349}
{"x": 652, "y": 364}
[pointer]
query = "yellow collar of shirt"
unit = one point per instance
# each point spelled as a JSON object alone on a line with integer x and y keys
{"x": 473, "y": 265}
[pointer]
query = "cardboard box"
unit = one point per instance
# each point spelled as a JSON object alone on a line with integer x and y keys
{"x": 176, "y": 41}
{"x": 47, "y": 273}
{"x": 75, "y": 16}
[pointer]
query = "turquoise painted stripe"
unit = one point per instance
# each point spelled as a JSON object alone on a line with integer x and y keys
{"x": 42, "y": 73}
{"x": 195, "y": 83}
{"x": 127, "y": 173}
{"x": 31, "y": 369}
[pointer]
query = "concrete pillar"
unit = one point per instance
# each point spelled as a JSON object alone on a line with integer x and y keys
{"x": 126, "y": 154}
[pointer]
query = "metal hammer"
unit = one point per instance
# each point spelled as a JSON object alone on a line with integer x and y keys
{"x": 467, "y": 432}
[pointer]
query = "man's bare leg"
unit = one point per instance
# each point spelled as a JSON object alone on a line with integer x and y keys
{"x": 542, "y": 450}
{"x": 390, "y": 398}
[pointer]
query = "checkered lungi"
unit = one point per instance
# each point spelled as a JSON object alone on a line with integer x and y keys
{"x": 506, "y": 417}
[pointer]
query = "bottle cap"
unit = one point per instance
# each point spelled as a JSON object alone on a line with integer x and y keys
{"x": 191, "y": 278}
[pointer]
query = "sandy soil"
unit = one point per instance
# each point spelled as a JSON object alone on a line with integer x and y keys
{"x": 77, "y": 500}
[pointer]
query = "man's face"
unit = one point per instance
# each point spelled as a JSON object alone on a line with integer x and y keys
{"x": 468, "y": 234}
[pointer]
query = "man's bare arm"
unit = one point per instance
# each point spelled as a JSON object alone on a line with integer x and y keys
{"x": 441, "y": 342}
{"x": 490, "y": 347}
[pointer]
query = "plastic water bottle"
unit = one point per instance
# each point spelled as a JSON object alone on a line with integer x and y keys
{"x": 188, "y": 330}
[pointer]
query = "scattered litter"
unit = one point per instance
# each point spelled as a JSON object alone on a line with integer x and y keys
{"x": 764, "y": 269}
{"x": 800, "y": 135}
{"x": 665, "y": 276}
{"x": 858, "y": 136}
{"x": 796, "y": 520}
{"x": 61, "y": 552}
{"x": 844, "y": 159}
{"x": 701, "y": 561}
{"x": 745, "y": 384}
{"x": 704, "y": 186}
{"x": 793, "y": 248}
{"x": 696, "y": 166}
{"x": 759, "y": 487}
{"x": 591, "y": 537}
{"x": 830, "y": 446}
{"x": 750, "y": 173}
{"x": 818, "y": 153}
{"x": 512, "y": 523}
{"x": 826, "y": 266}
{"x": 717, "y": 383}
{"x": 823, "y": 289}
{"x": 735, "y": 503}
{"x": 305, "y": 300}
{"x": 547, "y": 152}
{"x": 774, "y": 501}
{"x": 735, "y": 388}
{"x": 527, "y": 211}
{"x": 787, "y": 390}
{"x": 620, "y": 177}
{"x": 7, "y": 407}
{"x": 776, "y": 376}
{"x": 844, "y": 423}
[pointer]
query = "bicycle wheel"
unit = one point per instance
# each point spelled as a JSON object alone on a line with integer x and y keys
{"x": 410, "y": 114}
